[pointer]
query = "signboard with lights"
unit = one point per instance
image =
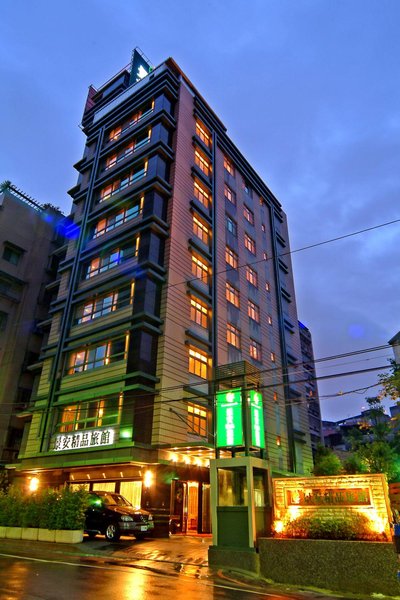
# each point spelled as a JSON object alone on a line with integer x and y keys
{"x": 139, "y": 67}
{"x": 84, "y": 439}
{"x": 256, "y": 419}
{"x": 229, "y": 418}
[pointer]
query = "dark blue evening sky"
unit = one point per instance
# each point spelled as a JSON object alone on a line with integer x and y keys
{"x": 310, "y": 93}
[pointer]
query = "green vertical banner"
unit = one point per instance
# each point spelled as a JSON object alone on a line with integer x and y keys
{"x": 256, "y": 419}
{"x": 229, "y": 418}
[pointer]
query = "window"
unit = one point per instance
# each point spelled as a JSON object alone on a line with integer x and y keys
{"x": 201, "y": 194}
{"x": 228, "y": 166}
{"x": 265, "y": 256}
{"x": 203, "y": 133}
{"x": 103, "y": 305}
{"x": 202, "y": 162}
{"x": 197, "y": 419}
{"x": 229, "y": 194}
{"x": 249, "y": 243}
{"x": 96, "y": 356}
{"x": 255, "y": 350}
{"x": 119, "y": 218}
{"x": 100, "y": 264}
{"x": 12, "y": 254}
{"x": 267, "y": 287}
{"x": 275, "y": 396}
{"x": 251, "y": 276}
{"x": 198, "y": 312}
{"x": 232, "y": 295}
{"x": 98, "y": 413}
{"x": 3, "y": 320}
{"x": 122, "y": 182}
{"x": 253, "y": 311}
{"x": 198, "y": 363}
{"x": 133, "y": 119}
{"x": 263, "y": 227}
{"x": 200, "y": 229}
{"x": 247, "y": 189}
{"x": 248, "y": 214}
{"x": 200, "y": 268}
{"x": 233, "y": 335}
{"x": 231, "y": 258}
{"x": 273, "y": 357}
{"x": 128, "y": 149}
{"x": 269, "y": 318}
{"x": 231, "y": 225}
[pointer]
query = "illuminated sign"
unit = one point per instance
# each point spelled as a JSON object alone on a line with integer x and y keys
{"x": 140, "y": 68}
{"x": 229, "y": 418}
{"x": 328, "y": 496}
{"x": 84, "y": 439}
{"x": 256, "y": 419}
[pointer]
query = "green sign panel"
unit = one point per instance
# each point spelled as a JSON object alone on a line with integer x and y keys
{"x": 256, "y": 419}
{"x": 229, "y": 418}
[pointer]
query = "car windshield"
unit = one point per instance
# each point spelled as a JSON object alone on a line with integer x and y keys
{"x": 114, "y": 500}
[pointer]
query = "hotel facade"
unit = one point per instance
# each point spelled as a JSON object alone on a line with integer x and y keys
{"x": 177, "y": 281}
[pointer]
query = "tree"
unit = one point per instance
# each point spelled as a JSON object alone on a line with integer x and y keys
{"x": 326, "y": 462}
{"x": 390, "y": 382}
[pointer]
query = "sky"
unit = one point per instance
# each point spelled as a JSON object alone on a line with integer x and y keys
{"x": 309, "y": 92}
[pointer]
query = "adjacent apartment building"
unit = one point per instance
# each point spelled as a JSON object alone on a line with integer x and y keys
{"x": 30, "y": 243}
{"x": 178, "y": 265}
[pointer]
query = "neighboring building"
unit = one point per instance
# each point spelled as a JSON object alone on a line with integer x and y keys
{"x": 28, "y": 261}
{"x": 312, "y": 397}
{"x": 336, "y": 432}
{"x": 176, "y": 272}
{"x": 395, "y": 343}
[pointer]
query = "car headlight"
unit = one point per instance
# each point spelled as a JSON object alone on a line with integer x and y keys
{"x": 126, "y": 518}
{"x": 150, "y": 518}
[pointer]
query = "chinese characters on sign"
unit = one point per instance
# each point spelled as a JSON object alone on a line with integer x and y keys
{"x": 328, "y": 497}
{"x": 256, "y": 419}
{"x": 229, "y": 418}
{"x": 84, "y": 439}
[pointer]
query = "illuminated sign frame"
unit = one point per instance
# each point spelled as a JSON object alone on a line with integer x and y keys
{"x": 229, "y": 418}
{"x": 256, "y": 419}
{"x": 81, "y": 440}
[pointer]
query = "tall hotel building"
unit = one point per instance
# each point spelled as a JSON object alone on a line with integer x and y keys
{"x": 177, "y": 271}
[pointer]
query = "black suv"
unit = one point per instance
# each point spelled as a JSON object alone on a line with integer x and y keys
{"x": 112, "y": 515}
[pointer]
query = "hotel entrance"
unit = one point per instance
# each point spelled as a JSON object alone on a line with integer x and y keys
{"x": 190, "y": 507}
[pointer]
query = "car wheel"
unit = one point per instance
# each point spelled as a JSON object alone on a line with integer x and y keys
{"x": 112, "y": 533}
{"x": 139, "y": 536}
{"x": 92, "y": 535}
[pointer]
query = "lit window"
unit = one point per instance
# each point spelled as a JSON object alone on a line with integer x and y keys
{"x": 228, "y": 166}
{"x": 255, "y": 350}
{"x": 233, "y": 335}
{"x": 146, "y": 109}
{"x": 231, "y": 258}
{"x": 253, "y": 311}
{"x": 232, "y": 295}
{"x": 203, "y": 133}
{"x": 109, "y": 261}
{"x": 97, "y": 413}
{"x": 263, "y": 227}
{"x": 202, "y": 162}
{"x": 119, "y": 218}
{"x": 197, "y": 419}
{"x": 251, "y": 276}
{"x": 124, "y": 181}
{"x": 200, "y": 269}
{"x": 231, "y": 225}
{"x": 273, "y": 357}
{"x": 103, "y": 305}
{"x": 269, "y": 320}
{"x": 198, "y": 363}
{"x": 201, "y": 194}
{"x": 265, "y": 256}
{"x": 200, "y": 229}
{"x": 198, "y": 312}
{"x": 229, "y": 194}
{"x": 248, "y": 214}
{"x": 267, "y": 287}
{"x": 115, "y": 133}
{"x": 127, "y": 150}
{"x": 249, "y": 243}
{"x": 275, "y": 396}
{"x": 96, "y": 356}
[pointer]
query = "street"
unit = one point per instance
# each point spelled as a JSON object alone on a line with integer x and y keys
{"x": 31, "y": 578}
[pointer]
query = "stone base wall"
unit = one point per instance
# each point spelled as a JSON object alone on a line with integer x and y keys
{"x": 246, "y": 560}
{"x": 340, "y": 566}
